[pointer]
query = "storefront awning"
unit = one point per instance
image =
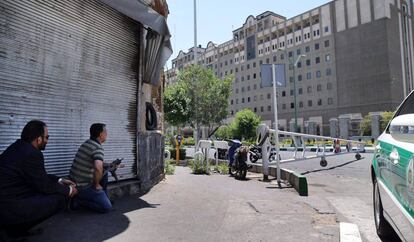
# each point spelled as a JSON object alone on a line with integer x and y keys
{"x": 158, "y": 46}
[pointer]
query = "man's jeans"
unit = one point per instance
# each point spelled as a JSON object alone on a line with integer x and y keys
{"x": 92, "y": 198}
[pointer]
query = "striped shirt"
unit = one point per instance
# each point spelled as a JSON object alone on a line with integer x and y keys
{"x": 83, "y": 167}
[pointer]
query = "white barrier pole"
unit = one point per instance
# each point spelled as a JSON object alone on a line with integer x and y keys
{"x": 276, "y": 123}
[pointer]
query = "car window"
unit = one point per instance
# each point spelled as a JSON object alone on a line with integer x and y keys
{"x": 407, "y": 107}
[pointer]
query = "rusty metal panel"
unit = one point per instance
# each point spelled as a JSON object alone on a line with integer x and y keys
{"x": 69, "y": 64}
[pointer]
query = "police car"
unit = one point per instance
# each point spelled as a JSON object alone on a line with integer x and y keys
{"x": 392, "y": 173}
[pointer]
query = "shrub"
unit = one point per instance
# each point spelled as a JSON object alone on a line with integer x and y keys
{"x": 182, "y": 153}
{"x": 198, "y": 166}
{"x": 169, "y": 169}
{"x": 222, "y": 168}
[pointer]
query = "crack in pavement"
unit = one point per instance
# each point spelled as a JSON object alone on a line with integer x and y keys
{"x": 253, "y": 207}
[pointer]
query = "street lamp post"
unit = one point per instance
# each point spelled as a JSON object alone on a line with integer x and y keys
{"x": 294, "y": 65}
{"x": 294, "y": 91}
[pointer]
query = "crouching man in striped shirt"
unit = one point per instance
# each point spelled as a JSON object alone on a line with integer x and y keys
{"x": 88, "y": 173}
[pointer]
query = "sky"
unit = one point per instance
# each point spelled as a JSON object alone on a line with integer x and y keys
{"x": 216, "y": 19}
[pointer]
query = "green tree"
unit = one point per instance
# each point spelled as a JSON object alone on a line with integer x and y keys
{"x": 225, "y": 132}
{"x": 365, "y": 126}
{"x": 201, "y": 98}
{"x": 385, "y": 119}
{"x": 176, "y": 105}
{"x": 245, "y": 124}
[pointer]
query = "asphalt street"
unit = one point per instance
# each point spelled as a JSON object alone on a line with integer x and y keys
{"x": 187, "y": 207}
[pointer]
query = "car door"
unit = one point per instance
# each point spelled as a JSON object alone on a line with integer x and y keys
{"x": 399, "y": 155}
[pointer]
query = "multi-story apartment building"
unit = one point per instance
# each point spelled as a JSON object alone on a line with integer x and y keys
{"x": 353, "y": 57}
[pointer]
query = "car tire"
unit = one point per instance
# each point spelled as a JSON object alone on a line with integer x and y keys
{"x": 382, "y": 226}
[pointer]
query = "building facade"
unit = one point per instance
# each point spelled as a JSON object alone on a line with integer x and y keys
{"x": 353, "y": 57}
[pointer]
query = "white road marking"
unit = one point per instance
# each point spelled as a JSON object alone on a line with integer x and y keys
{"x": 349, "y": 232}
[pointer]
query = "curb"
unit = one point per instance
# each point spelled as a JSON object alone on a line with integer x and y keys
{"x": 298, "y": 181}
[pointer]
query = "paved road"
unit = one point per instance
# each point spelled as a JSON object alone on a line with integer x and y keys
{"x": 187, "y": 207}
{"x": 345, "y": 184}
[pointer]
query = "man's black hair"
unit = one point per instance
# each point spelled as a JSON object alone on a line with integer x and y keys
{"x": 96, "y": 129}
{"x": 32, "y": 130}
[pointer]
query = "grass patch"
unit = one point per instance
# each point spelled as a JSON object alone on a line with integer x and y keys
{"x": 222, "y": 168}
{"x": 169, "y": 168}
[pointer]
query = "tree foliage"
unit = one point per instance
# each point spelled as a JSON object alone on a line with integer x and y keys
{"x": 176, "y": 105}
{"x": 245, "y": 124}
{"x": 198, "y": 98}
{"x": 385, "y": 119}
{"x": 365, "y": 125}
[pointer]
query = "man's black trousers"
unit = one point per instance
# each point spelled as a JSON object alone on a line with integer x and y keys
{"x": 18, "y": 216}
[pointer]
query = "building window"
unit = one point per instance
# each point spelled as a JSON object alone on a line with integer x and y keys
{"x": 237, "y": 69}
{"x": 260, "y": 62}
{"x": 308, "y": 62}
{"x": 274, "y": 59}
{"x": 300, "y": 90}
{"x": 283, "y": 93}
{"x": 254, "y": 87}
{"x": 242, "y": 100}
{"x": 284, "y": 106}
{"x": 262, "y": 109}
{"x": 318, "y": 73}
{"x": 299, "y": 77}
{"x": 299, "y": 65}
{"x": 328, "y": 72}
{"x": 292, "y": 105}
{"x": 307, "y": 49}
{"x": 317, "y": 46}
{"x": 261, "y": 97}
{"x": 282, "y": 56}
{"x": 330, "y": 101}
{"x": 326, "y": 29}
{"x": 329, "y": 86}
{"x": 248, "y": 77}
{"x": 242, "y": 68}
{"x": 326, "y": 43}
{"x": 242, "y": 78}
{"x": 254, "y": 75}
{"x": 291, "y": 79}
{"x": 231, "y": 102}
{"x": 248, "y": 99}
{"x": 255, "y": 110}
{"x": 309, "y": 89}
{"x": 319, "y": 87}
{"x": 267, "y": 61}
{"x": 301, "y": 104}
{"x": 309, "y": 103}
{"x": 232, "y": 112}
{"x": 308, "y": 75}
{"x": 248, "y": 66}
{"x": 269, "y": 108}
{"x": 298, "y": 51}
{"x": 317, "y": 60}
{"x": 269, "y": 96}
{"x": 248, "y": 88}
{"x": 327, "y": 58}
{"x": 320, "y": 102}
{"x": 290, "y": 53}
{"x": 237, "y": 90}
{"x": 291, "y": 92}
{"x": 242, "y": 89}
{"x": 254, "y": 64}
{"x": 237, "y": 101}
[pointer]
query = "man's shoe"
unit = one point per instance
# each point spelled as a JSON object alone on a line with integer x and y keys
{"x": 72, "y": 205}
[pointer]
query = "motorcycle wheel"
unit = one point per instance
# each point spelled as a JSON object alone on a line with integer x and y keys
{"x": 253, "y": 157}
{"x": 232, "y": 171}
{"x": 242, "y": 174}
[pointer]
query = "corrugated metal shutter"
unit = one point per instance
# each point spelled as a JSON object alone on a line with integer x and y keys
{"x": 70, "y": 64}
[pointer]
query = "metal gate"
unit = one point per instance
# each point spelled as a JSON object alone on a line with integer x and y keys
{"x": 69, "y": 64}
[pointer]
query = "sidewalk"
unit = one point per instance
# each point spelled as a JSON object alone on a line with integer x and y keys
{"x": 187, "y": 207}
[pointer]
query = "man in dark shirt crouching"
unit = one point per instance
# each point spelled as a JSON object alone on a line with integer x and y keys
{"x": 28, "y": 195}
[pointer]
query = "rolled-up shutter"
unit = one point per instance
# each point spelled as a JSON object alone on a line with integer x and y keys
{"x": 69, "y": 64}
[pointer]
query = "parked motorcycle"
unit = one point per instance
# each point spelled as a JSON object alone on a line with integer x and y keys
{"x": 255, "y": 153}
{"x": 238, "y": 167}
